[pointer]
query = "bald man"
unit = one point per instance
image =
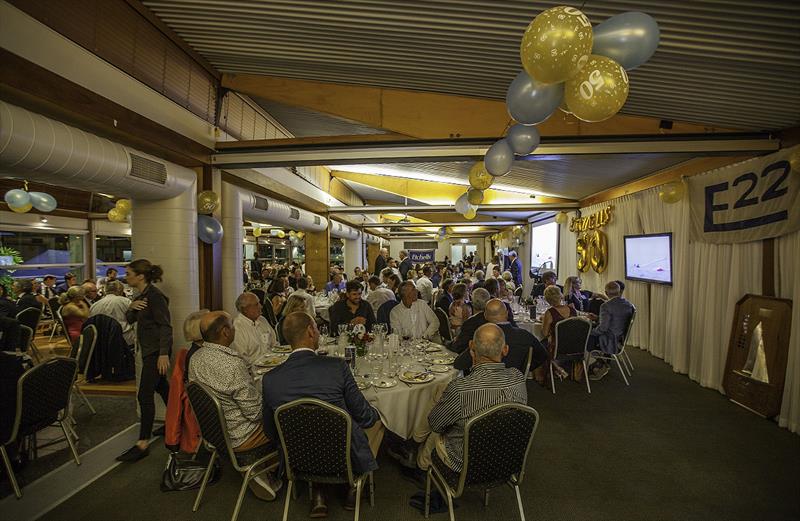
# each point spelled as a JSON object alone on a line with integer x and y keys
{"x": 490, "y": 383}
{"x": 519, "y": 342}
{"x": 225, "y": 373}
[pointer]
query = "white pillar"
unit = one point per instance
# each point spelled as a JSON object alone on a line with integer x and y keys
{"x": 353, "y": 255}
{"x": 232, "y": 255}
{"x": 165, "y": 233}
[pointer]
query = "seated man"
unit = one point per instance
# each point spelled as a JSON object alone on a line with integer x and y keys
{"x": 90, "y": 288}
{"x": 302, "y": 291}
{"x": 480, "y": 297}
{"x": 490, "y": 383}
{"x": 254, "y": 335}
{"x": 615, "y": 314}
{"x": 548, "y": 279}
{"x": 115, "y": 305}
{"x": 226, "y": 374}
{"x": 424, "y": 284}
{"x": 519, "y": 342}
{"x": 351, "y": 310}
{"x": 305, "y": 375}
{"x": 378, "y": 294}
{"x": 412, "y": 317}
{"x": 445, "y": 295}
{"x": 26, "y": 298}
{"x": 336, "y": 283}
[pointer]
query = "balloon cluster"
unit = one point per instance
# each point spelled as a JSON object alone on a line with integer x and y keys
{"x": 561, "y": 218}
{"x": 209, "y": 229}
{"x": 277, "y": 233}
{"x": 121, "y": 211}
{"x": 21, "y": 201}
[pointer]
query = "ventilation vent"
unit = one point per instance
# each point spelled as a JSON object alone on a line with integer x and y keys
{"x": 294, "y": 213}
{"x": 340, "y": 227}
{"x": 148, "y": 170}
{"x": 420, "y": 245}
{"x": 316, "y": 220}
{"x": 261, "y": 203}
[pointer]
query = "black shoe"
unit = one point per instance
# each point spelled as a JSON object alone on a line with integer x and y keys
{"x": 133, "y": 454}
{"x": 159, "y": 431}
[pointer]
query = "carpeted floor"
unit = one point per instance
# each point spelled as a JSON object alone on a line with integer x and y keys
{"x": 663, "y": 448}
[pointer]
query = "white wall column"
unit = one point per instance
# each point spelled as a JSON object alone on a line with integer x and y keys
{"x": 353, "y": 255}
{"x": 232, "y": 255}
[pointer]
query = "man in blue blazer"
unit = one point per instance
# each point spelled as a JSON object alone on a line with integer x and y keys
{"x": 615, "y": 315}
{"x": 306, "y": 375}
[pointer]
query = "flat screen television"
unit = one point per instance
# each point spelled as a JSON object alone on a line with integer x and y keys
{"x": 648, "y": 258}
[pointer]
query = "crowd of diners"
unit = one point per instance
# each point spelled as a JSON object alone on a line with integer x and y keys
{"x": 222, "y": 350}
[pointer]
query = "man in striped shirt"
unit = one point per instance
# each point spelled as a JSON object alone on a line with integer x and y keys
{"x": 490, "y": 383}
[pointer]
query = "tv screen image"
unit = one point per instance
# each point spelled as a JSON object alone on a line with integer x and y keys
{"x": 648, "y": 258}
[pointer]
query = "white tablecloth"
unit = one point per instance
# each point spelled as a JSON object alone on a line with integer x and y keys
{"x": 403, "y": 406}
{"x": 534, "y": 327}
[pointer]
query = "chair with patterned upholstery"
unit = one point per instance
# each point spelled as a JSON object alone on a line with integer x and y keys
{"x": 30, "y": 317}
{"x": 43, "y": 394}
{"x": 315, "y": 439}
{"x": 269, "y": 313}
{"x": 82, "y": 352}
{"x": 214, "y": 430}
{"x": 620, "y": 357}
{"x": 25, "y": 337}
{"x": 572, "y": 338}
{"x": 444, "y": 326}
{"x": 496, "y": 446}
{"x": 259, "y": 293}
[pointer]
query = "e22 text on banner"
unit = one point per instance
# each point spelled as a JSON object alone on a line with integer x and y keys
{"x": 750, "y": 201}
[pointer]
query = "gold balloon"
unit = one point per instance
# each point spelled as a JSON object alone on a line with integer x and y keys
{"x": 115, "y": 215}
{"x": 563, "y": 107}
{"x": 301, "y": 235}
{"x": 598, "y": 91}
{"x": 292, "y": 233}
{"x": 794, "y": 162}
{"x": 479, "y": 178}
{"x": 582, "y": 250}
{"x": 672, "y": 192}
{"x": 556, "y": 44}
{"x": 561, "y": 217}
{"x": 256, "y": 232}
{"x": 207, "y": 202}
{"x": 475, "y": 196}
{"x": 471, "y": 213}
{"x": 598, "y": 251}
{"x": 281, "y": 234}
{"x": 124, "y": 205}
{"x": 21, "y": 209}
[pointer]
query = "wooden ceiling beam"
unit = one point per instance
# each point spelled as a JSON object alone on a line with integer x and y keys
{"x": 429, "y": 115}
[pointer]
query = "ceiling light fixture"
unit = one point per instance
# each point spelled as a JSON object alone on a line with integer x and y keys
{"x": 42, "y": 218}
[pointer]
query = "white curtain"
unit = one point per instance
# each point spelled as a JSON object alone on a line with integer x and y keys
{"x": 688, "y": 324}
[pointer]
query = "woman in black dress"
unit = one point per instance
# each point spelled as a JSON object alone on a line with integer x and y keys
{"x": 149, "y": 310}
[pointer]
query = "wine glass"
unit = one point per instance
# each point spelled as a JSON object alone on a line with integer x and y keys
{"x": 323, "y": 332}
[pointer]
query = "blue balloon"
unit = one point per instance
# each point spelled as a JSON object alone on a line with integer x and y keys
{"x": 43, "y": 202}
{"x": 530, "y": 102}
{"x": 499, "y": 158}
{"x": 629, "y": 39}
{"x": 209, "y": 230}
{"x": 17, "y": 198}
{"x": 523, "y": 139}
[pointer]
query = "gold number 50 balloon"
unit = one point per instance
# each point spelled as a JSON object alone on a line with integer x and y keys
{"x": 592, "y": 250}
{"x": 556, "y": 44}
{"x": 598, "y": 91}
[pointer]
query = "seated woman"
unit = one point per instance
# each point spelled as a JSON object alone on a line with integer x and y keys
{"x": 576, "y": 297}
{"x": 74, "y": 311}
{"x": 459, "y": 310}
{"x": 277, "y": 294}
{"x": 508, "y": 278}
{"x": 293, "y": 303}
{"x": 557, "y": 312}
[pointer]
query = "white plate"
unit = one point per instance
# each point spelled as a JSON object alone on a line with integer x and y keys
{"x": 438, "y": 368}
{"x": 405, "y": 377}
{"x": 384, "y": 382}
{"x": 282, "y": 349}
{"x": 271, "y": 361}
{"x": 433, "y": 348}
{"x": 443, "y": 360}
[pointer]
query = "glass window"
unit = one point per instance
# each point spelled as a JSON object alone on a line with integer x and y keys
{"x": 337, "y": 251}
{"x": 112, "y": 252}
{"x": 38, "y": 254}
{"x": 544, "y": 246}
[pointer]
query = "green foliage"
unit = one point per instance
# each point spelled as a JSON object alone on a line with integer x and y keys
{"x": 16, "y": 258}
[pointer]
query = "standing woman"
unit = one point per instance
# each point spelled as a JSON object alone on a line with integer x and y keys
{"x": 150, "y": 312}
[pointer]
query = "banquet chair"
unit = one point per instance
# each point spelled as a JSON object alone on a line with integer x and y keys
{"x": 518, "y": 295}
{"x": 30, "y": 317}
{"x": 63, "y": 328}
{"x": 25, "y": 337}
{"x": 269, "y": 313}
{"x": 384, "y": 311}
{"x": 43, "y": 394}
{"x": 624, "y": 342}
{"x": 260, "y": 294}
{"x": 215, "y": 435}
{"x": 488, "y": 463}
{"x": 620, "y": 356}
{"x": 572, "y": 337}
{"x": 309, "y": 422}
{"x": 444, "y": 326}
{"x": 82, "y": 352}
{"x": 54, "y": 307}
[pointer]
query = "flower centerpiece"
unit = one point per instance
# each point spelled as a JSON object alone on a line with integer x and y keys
{"x": 358, "y": 336}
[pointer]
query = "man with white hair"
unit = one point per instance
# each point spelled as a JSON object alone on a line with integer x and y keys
{"x": 381, "y": 261}
{"x": 479, "y": 299}
{"x": 413, "y": 317}
{"x": 489, "y": 383}
{"x": 254, "y": 335}
{"x": 615, "y": 314}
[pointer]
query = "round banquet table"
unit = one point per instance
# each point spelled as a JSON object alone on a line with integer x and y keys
{"x": 533, "y": 326}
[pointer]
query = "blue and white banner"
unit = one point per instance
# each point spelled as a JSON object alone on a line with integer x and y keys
{"x": 421, "y": 256}
{"x": 750, "y": 201}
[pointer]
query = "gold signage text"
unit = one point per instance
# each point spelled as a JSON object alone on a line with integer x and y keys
{"x": 594, "y": 221}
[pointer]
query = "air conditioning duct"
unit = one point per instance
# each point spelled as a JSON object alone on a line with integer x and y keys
{"x": 264, "y": 209}
{"x": 343, "y": 231}
{"x": 49, "y": 151}
{"x": 371, "y": 239}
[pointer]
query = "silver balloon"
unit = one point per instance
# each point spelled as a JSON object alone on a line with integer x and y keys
{"x": 43, "y": 202}
{"x": 209, "y": 230}
{"x": 462, "y": 204}
{"x": 530, "y": 102}
{"x": 499, "y": 158}
{"x": 629, "y": 39}
{"x": 17, "y": 198}
{"x": 523, "y": 139}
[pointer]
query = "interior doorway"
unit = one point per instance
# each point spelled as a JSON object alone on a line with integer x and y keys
{"x": 459, "y": 251}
